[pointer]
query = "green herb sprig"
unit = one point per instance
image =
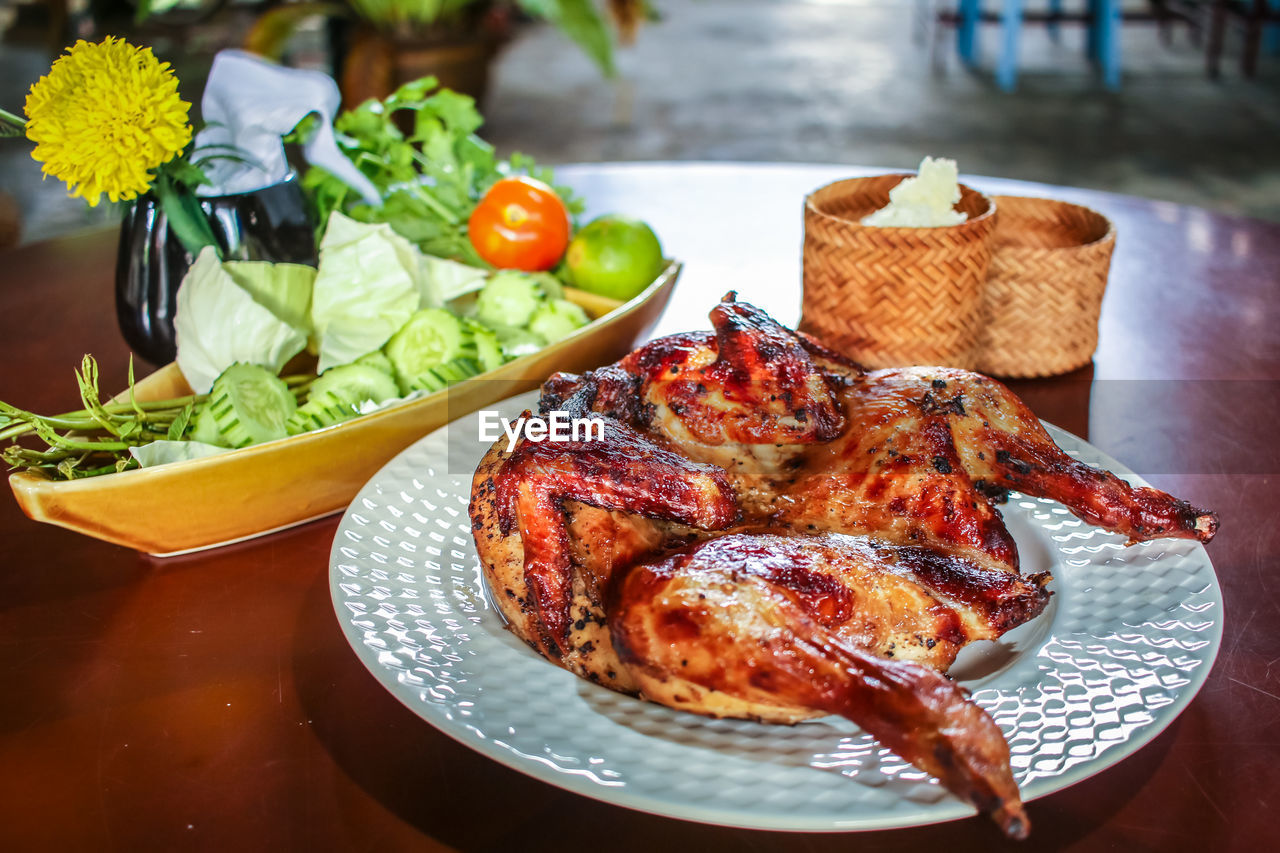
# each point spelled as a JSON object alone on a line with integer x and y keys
{"x": 96, "y": 439}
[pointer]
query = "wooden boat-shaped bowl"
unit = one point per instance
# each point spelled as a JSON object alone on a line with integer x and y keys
{"x": 216, "y": 500}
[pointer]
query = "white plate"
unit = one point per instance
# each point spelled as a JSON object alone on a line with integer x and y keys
{"x": 1128, "y": 638}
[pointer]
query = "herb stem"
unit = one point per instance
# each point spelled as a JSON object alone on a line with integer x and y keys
{"x": 102, "y": 431}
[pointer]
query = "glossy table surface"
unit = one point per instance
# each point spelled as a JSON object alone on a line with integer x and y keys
{"x": 211, "y": 702}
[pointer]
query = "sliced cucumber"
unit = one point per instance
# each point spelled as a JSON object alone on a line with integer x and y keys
{"x": 204, "y": 427}
{"x": 443, "y": 375}
{"x": 509, "y": 299}
{"x": 432, "y": 337}
{"x": 551, "y": 286}
{"x": 327, "y": 408}
{"x": 518, "y": 342}
{"x": 356, "y": 383}
{"x": 488, "y": 348}
{"x": 463, "y": 306}
{"x": 557, "y": 319}
{"x": 249, "y": 405}
{"x": 378, "y": 360}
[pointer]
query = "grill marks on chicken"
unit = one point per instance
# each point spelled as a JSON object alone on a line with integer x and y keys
{"x": 897, "y": 601}
{"x": 898, "y": 474}
{"x": 1002, "y": 444}
{"x": 622, "y": 471}
{"x": 753, "y": 616}
{"x": 1031, "y": 463}
{"x": 750, "y": 383}
{"x": 652, "y": 562}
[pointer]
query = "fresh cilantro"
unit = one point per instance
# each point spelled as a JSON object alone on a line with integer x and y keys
{"x": 429, "y": 180}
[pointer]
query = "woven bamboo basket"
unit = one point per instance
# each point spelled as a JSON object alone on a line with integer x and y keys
{"x": 894, "y": 296}
{"x": 1044, "y": 290}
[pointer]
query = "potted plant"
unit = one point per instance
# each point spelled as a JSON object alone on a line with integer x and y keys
{"x": 382, "y": 44}
{"x": 108, "y": 121}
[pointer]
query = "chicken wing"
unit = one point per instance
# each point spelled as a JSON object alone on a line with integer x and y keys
{"x": 620, "y": 471}
{"x": 929, "y": 448}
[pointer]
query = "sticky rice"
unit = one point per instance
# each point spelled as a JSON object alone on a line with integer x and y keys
{"x": 925, "y": 201}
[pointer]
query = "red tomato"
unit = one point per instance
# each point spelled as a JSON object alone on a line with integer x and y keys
{"x": 520, "y": 224}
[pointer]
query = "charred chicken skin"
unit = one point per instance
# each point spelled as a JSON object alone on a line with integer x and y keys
{"x": 766, "y": 530}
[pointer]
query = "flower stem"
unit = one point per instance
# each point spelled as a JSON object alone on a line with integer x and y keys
{"x": 10, "y": 124}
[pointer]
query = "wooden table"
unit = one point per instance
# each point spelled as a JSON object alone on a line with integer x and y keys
{"x": 211, "y": 702}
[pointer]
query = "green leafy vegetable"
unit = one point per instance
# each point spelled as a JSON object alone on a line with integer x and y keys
{"x": 581, "y": 22}
{"x": 447, "y": 280}
{"x": 164, "y": 451}
{"x": 283, "y": 289}
{"x": 219, "y": 323}
{"x": 180, "y": 421}
{"x": 367, "y": 288}
{"x": 431, "y": 179}
{"x": 400, "y": 298}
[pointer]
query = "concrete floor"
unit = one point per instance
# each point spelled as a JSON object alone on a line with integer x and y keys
{"x": 850, "y": 81}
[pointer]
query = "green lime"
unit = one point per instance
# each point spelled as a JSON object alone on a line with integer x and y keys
{"x": 614, "y": 256}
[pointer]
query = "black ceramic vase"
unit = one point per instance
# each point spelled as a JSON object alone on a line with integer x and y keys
{"x": 270, "y": 224}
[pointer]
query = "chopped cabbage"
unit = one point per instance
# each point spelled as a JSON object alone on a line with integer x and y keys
{"x": 366, "y": 289}
{"x": 164, "y": 450}
{"x": 219, "y": 323}
{"x": 442, "y": 280}
{"x": 283, "y": 288}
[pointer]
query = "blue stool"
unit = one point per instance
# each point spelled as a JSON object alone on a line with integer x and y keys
{"x": 968, "y": 13}
{"x": 1102, "y": 43}
{"x": 1010, "y": 30}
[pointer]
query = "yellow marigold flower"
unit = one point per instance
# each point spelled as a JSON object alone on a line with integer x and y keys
{"x": 105, "y": 117}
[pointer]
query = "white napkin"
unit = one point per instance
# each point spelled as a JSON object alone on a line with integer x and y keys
{"x": 249, "y": 104}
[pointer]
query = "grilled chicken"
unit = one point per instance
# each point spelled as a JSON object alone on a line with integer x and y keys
{"x": 811, "y": 621}
{"x": 767, "y": 530}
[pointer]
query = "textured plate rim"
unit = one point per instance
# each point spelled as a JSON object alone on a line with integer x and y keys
{"x": 947, "y": 809}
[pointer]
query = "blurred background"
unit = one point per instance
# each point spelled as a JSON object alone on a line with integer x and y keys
{"x": 1169, "y": 99}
